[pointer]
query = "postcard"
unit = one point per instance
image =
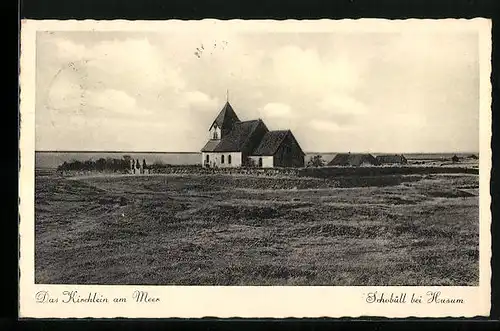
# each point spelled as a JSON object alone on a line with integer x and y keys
{"x": 255, "y": 169}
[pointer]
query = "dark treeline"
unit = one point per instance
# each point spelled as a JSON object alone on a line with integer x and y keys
{"x": 124, "y": 164}
{"x": 108, "y": 164}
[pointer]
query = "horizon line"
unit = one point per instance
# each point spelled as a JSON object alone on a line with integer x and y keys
{"x": 192, "y": 152}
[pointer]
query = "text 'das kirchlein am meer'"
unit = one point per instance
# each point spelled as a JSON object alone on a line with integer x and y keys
{"x": 70, "y": 297}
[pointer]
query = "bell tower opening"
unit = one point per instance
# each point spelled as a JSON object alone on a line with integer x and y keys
{"x": 215, "y": 132}
{"x": 223, "y": 123}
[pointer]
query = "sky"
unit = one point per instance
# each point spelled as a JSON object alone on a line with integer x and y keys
{"x": 338, "y": 92}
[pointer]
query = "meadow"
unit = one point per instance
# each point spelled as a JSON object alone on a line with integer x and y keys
{"x": 219, "y": 229}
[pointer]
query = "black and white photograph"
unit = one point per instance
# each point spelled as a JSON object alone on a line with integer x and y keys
{"x": 215, "y": 156}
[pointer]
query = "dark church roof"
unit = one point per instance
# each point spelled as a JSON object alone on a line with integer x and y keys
{"x": 226, "y": 117}
{"x": 395, "y": 158}
{"x": 210, "y": 145}
{"x": 348, "y": 159}
{"x": 271, "y": 142}
{"x": 239, "y": 136}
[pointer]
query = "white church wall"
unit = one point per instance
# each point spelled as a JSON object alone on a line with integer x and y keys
{"x": 215, "y": 159}
{"x": 267, "y": 161}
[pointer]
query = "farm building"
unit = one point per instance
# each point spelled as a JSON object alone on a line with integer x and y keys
{"x": 353, "y": 160}
{"x": 392, "y": 159}
{"x": 235, "y": 143}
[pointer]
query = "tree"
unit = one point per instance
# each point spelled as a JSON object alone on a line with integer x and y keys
{"x": 144, "y": 166}
{"x": 63, "y": 166}
{"x": 100, "y": 164}
{"x": 316, "y": 161}
{"x": 137, "y": 164}
{"x": 89, "y": 165}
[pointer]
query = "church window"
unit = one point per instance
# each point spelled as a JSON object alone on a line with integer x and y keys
{"x": 207, "y": 159}
{"x": 216, "y": 135}
{"x": 222, "y": 159}
{"x": 260, "y": 162}
{"x": 229, "y": 159}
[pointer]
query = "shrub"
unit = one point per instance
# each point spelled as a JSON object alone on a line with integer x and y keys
{"x": 316, "y": 161}
{"x": 99, "y": 165}
{"x": 250, "y": 163}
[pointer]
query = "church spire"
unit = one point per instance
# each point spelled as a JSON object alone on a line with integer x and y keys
{"x": 225, "y": 120}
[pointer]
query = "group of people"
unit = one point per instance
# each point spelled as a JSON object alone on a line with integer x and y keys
{"x": 137, "y": 168}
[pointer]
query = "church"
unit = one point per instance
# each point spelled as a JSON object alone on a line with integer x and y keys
{"x": 235, "y": 143}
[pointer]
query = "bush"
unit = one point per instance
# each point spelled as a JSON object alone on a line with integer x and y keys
{"x": 101, "y": 164}
{"x": 316, "y": 161}
{"x": 250, "y": 163}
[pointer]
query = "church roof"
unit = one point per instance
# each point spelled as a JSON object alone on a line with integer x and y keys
{"x": 271, "y": 142}
{"x": 238, "y": 137}
{"x": 348, "y": 159}
{"x": 394, "y": 158}
{"x": 226, "y": 117}
{"x": 210, "y": 145}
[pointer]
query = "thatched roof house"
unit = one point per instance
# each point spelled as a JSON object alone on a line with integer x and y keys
{"x": 353, "y": 160}
{"x": 392, "y": 159}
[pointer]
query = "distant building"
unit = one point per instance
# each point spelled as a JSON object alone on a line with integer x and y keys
{"x": 392, "y": 159}
{"x": 353, "y": 160}
{"x": 455, "y": 158}
{"x": 235, "y": 143}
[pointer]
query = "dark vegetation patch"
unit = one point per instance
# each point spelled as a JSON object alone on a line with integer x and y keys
{"x": 243, "y": 212}
{"x": 450, "y": 193}
{"x": 377, "y": 181}
{"x": 326, "y": 172}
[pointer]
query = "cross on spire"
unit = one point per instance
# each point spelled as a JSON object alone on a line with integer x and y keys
{"x": 227, "y": 95}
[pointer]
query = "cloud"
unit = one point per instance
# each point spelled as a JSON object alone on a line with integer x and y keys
{"x": 68, "y": 50}
{"x": 116, "y": 101}
{"x": 131, "y": 65}
{"x": 370, "y": 91}
{"x": 342, "y": 105}
{"x": 199, "y": 100}
{"x": 303, "y": 71}
{"x": 128, "y": 77}
{"x": 276, "y": 109}
{"x": 64, "y": 96}
{"x": 323, "y": 125}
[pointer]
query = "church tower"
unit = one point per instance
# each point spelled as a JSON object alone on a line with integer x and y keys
{"x": 223, "y": 123}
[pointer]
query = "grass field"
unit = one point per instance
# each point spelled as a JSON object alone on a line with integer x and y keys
{"x": 243, "y": 230}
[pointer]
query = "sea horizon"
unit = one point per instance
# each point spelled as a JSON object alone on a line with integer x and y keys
{"x": 52, "y": 159}
{"x": 198, "y": 152}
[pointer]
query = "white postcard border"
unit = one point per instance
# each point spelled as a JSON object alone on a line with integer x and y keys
{"x": 247, "y": 301}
